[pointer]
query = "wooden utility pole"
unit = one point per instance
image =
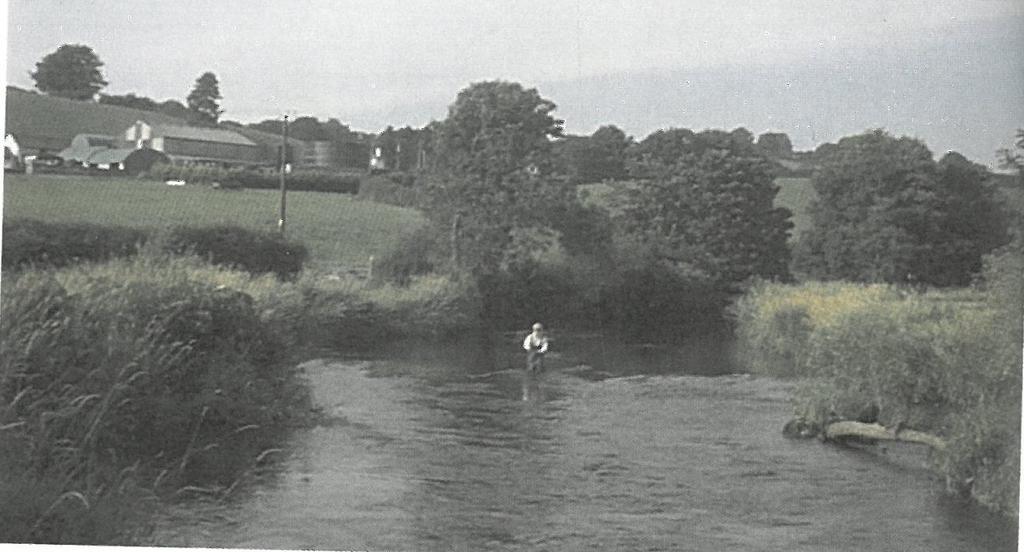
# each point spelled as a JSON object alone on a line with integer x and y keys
{"x": 455, "y": 238}
{"x": 284, "y": 166}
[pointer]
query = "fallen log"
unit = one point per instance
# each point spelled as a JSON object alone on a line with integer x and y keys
{"x": 840, "y": 430}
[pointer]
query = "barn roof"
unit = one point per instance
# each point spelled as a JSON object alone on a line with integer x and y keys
{"x": 79, "y": 154}
{"x": 107, "y": 156}
{"x": 202, "y": 134}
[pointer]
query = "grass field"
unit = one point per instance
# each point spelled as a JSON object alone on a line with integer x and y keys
{"x": 796, "y": 194}
{"x": 338, "y": 230}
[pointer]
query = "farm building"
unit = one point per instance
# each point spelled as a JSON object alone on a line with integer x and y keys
{"x": 44, "y": 125}
{"x": 107, "y": 153}
{"x": 186, "y": 144}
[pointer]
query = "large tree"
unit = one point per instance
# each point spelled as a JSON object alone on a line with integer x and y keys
{"x": 496, "y": 128}
{"x": 203, "y": 101}
{"x": 703, "y": 203}
{"x": 491, "y": 157}
{"x": 72, "y": 71}
{"x": 887, "y": 212}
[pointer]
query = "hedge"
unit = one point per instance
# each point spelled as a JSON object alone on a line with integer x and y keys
{"x": 305, "y": 181}
{"x": 29, "y": 242}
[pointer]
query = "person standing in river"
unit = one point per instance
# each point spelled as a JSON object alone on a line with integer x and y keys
{"x": 536, "y": 345}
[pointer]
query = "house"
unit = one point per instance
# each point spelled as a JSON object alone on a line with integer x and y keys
{"x": 196, "y": 145}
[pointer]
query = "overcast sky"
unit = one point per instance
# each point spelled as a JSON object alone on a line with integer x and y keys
{"x": 949, "y": 72}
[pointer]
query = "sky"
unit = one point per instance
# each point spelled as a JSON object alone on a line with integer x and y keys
{"x": 948, "y": 72}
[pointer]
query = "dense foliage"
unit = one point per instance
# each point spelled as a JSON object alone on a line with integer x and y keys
{"x": 72, "y": 71}
{"x": 704, "y": 203}
{"x": 886, "y": 212}
{"x": 595, "y": 158}
{"x": 494, "y": 129}
{"x": 489, "y": 183}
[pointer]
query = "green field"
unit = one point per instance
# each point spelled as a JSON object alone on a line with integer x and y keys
{"x": 796, "y": 194}
{"x": 338, "y": 230}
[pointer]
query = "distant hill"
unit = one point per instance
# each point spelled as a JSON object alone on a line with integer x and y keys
{"x": 38, "y": 121}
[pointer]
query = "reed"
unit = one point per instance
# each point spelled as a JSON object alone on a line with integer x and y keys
{"x": 127, "y": 381}
{"x": 947, "y": 362}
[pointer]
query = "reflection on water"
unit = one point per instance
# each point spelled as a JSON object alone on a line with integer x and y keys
{"x": 612, "y": 447}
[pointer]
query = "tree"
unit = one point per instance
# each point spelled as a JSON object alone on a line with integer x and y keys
{"x": 601, "y": 156}
{"x": 202, "y": 101}
{"x": 970, "y": 222}
{"x": 1013, "y": 159}
{"x": 72, "y": 71}
{"x": 496, "y": 128}
{"x": 886, "y": 212}
{"x": 775, "y": 145}
{"x": 704, "y": 205}
{"x": 483, "y": 155}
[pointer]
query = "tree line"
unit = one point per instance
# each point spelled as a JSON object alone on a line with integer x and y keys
{"x": 501, "y": 171}
{"x": 690, "y": 211}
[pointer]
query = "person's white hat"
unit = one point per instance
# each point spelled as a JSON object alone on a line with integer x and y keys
{"x": 538, "y": 326}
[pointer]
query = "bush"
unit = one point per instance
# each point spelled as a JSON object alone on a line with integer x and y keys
{"x": 236, "y": 247}
{"x": 30, "y": 242}
{"x": 27, "y": 242}
{"x": 402, "y": 193}
{"x": 418, "y": 253}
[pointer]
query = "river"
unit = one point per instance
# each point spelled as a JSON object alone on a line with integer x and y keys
{"x": 614, "y": 446}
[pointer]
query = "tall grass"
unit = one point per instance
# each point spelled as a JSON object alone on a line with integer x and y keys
{"x": 943, "y": 362}
{"x": 118, "y": 383}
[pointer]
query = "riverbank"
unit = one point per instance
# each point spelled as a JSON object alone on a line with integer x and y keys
{"x": 943, "y": 362}
{"x": 160, "y": 376}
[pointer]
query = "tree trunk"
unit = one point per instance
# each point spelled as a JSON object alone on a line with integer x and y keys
{"x": 839, "y": 430}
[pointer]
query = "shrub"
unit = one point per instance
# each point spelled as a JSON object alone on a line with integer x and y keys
{"x": 236, "y": 247}
{"x": 418, "y": 253}
{"x": 381, "y": 189}
{"x": 28, "y": 242}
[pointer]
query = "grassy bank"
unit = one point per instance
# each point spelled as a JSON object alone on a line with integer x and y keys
{"x": 943, "y": 362}
{"x": 338, "y": 230}
{"x": 159, "y": 376}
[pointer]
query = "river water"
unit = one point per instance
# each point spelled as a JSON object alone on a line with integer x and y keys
{"x": 614, "y": 446}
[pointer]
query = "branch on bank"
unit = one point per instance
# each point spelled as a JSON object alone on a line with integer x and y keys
{"x": 846, "y": 429}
